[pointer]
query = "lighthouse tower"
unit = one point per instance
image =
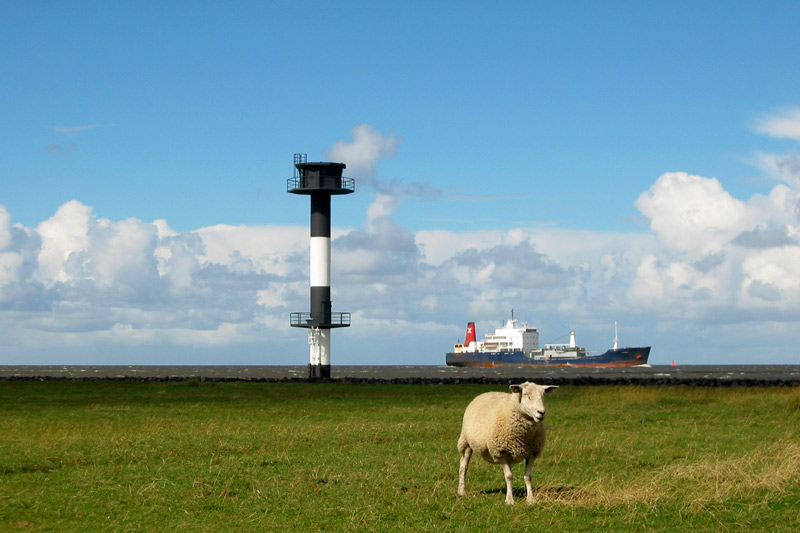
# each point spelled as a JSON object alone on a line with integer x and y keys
{"x": 320, "y": 181}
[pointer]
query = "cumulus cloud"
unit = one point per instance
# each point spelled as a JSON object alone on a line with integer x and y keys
{"x": 64, "y": 234}
{"x": 771, "y": 276}
{"x": 362, "y": 155}
{"x": 381, "y": 253}
{"x": 724, "y": 260}
{"x": 692, "y": 213}
{"x": 709, "y": 262}
{"x": 79, "y": 273}
{"x": 710, "y": 259}
{"x": 364, "y": 151}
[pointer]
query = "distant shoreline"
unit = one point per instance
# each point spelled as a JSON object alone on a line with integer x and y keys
{"x": 696, "y": 375}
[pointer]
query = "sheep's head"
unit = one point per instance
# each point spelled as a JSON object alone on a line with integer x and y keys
{"x": 531, "y": 398}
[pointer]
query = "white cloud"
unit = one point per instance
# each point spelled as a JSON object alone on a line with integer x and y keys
{"x": 725, "y": 260}
{"x": 5, "y": 228}
{"x": 784, "y": 123}
{"x": 711, "y": 259}
{"x": 721, "y": 260}
{"x": 274, "y": 249}
{"x": 784, "y": 168}
{"x": 131, "y": 280}
{"x": 11, "y": 265}
{"x": 383, "y": 206}
{"x": 64, "y": 234}
{"x": 363, "y": 153}
{"x": 770, "y": 278}
{"x": 75, "y": 130}
{"x": 692, "y": 213}
{"x": 77, "y": 283}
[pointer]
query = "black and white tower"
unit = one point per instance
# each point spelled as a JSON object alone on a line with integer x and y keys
{"x": 320, "y": 181}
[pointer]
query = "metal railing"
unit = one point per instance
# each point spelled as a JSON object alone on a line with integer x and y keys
{"x": 319, "y": 320}
{"x": 328, "y": 183}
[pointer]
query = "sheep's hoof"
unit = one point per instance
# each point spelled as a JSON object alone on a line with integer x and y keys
{"x": 510, "y": 501}
{"x": 530, "y": 500}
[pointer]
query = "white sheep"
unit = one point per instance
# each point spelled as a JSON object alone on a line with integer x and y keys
{"x": 505, "y": 429}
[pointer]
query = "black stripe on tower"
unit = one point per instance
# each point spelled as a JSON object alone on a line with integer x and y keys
{"x": 321, "y": 215}
{"x": 321, "y": 305}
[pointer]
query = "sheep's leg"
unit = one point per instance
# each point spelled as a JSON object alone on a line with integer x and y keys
{"x": 528, "y": 476}
{"x": 509, "y": 488}
{"x": 462, "y": 470}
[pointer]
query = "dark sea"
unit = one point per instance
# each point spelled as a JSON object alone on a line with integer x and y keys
{"x": 719, "y": 375}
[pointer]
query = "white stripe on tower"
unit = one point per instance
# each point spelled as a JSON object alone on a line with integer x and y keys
{"x": 323, "y": 348}
{"x": 320, "y": 261}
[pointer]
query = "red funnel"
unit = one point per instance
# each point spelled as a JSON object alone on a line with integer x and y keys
{"x": 470, "y": 338}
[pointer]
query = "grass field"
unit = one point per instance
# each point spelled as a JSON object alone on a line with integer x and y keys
{"x": 77, "y": 456}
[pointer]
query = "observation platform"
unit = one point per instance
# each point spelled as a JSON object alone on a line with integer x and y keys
{"x": 320, "y": 178}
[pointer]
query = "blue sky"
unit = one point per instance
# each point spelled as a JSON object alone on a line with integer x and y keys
{"x": 583, "y": 162}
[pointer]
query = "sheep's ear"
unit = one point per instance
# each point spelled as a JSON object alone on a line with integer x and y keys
{"x": 550, "y": 388}
{"x": 515, "y": 388}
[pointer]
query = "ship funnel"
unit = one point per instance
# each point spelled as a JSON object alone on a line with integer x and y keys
{"x": 470, "y": 337}
{"x": 572, "y": 343}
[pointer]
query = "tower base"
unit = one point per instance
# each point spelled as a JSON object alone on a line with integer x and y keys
{"x": 319, "y": 371}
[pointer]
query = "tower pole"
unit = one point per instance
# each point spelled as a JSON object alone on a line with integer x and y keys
{"x": 320, "y": 282}
{"x": 319, "y": 181}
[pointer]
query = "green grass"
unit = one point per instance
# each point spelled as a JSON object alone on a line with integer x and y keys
{"x": 340, "y": 457}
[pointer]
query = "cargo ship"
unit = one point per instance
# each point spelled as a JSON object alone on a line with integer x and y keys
{"x": 518, "y": 346}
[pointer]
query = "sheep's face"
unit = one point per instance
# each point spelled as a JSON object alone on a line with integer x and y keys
{"x": 531, "y": 399}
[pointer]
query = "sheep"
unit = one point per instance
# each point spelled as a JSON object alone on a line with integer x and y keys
{"x": 505, "y": 429}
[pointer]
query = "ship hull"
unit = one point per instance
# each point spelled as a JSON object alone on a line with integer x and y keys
{"x": 620, "y": 357}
